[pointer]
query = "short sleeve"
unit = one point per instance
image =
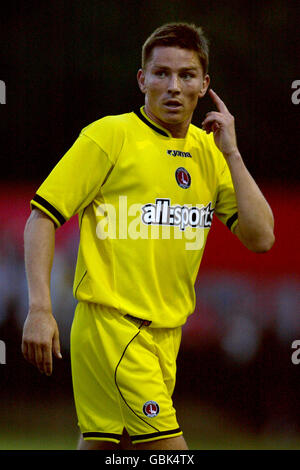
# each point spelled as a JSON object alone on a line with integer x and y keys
{"x": 74, "y": 182}
{"x": 226, "y": 206}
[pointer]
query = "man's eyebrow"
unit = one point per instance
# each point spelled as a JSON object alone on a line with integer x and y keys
{"x": 192, "y": 68}
{"x": 182, "y": 69}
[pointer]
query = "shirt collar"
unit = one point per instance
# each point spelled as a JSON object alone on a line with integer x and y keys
{"x": 156, "y": 127}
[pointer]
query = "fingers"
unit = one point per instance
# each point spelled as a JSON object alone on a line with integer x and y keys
{"x": 24, "y": 348}
{"x": 212, "y": 122}
{"x": 40, "y": 339}
{"x": 56, "y": 345}
{"x": 47, "y": 360}
{"x": 39, "y": 355}
{"x": 38, "y": 358}
{"x": 217, "y": 101}
{"x": 28, "y": 351}
{"x": 30, "y": 354}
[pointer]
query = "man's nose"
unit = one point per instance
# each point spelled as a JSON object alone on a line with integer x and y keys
{"x": 174, "y": 85}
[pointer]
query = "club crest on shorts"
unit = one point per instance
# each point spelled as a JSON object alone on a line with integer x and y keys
{"x": 183, "y": 177}
{"x": 151, "y": 409}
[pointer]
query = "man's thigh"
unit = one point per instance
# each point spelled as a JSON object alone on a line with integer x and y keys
{"x": 96, "y": 445}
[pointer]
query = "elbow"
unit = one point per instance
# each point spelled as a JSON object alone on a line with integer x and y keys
{"x": 262, "y": 245}
{"x": 259, "y": 240}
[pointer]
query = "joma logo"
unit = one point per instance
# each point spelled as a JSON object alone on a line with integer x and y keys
{"x": 179, "y": 153}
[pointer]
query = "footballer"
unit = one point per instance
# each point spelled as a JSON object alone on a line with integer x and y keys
{"x": 134, "y": 293}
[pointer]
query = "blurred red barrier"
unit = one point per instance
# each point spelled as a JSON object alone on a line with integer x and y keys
{"x": 223, "y": 251}
{"x": 15, "y": 209}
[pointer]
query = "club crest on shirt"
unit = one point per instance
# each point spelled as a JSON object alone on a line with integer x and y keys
{"x": 183, "y": 177}
{"x": 151, "y": 409}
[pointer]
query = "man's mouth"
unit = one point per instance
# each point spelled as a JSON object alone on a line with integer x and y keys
{"x": 173, "y": 104}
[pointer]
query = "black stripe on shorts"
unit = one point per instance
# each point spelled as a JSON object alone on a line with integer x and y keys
{"x": 103, "y": 435}
{"x": 122, "y": 396}
{"x": 141, "y": 437}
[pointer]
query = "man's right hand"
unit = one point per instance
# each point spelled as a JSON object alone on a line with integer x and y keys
{"x": 41, "y": 339}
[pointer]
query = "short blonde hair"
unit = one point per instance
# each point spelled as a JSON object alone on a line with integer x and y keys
{"x": 183, "y": 35}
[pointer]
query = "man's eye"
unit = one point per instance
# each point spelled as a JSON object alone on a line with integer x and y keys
{"x": 187, "y": 76}
{"x": 160, "y": 73}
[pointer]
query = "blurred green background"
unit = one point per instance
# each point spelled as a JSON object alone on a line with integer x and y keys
{"x": 68, "y": 63}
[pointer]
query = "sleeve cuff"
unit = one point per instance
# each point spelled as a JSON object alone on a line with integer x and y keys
{"x": 232, "y": 222}
{"x": 50, "y": 210}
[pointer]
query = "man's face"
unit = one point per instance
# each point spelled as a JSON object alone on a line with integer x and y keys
{"x": 173, "y": 81}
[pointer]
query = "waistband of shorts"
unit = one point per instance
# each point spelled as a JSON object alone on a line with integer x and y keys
{"x": 114, "y": 311}
{"x": 141, "y": 321}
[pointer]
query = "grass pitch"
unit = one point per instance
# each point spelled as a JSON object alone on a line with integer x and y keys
{"x": 53, "y": 426}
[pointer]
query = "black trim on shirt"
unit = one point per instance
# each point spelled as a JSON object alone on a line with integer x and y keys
{"x": 150, "y": 124}
{"x": 40, "y": 200}
{"x": 231, "y": 220}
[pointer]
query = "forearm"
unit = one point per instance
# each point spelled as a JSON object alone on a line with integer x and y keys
{"x": 255, "y": 219}
{"x": 39, "y": 243}
{"x": 40, "y": 332}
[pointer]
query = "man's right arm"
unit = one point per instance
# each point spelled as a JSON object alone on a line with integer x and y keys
{"x": 40, "y": 332}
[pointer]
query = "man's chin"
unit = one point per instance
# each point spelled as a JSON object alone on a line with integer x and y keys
{"x": 165, "y": 116}
{"x": 172, "y": 117}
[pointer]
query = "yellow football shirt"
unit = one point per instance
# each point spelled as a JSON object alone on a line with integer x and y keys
{"x": 145, "y": 203}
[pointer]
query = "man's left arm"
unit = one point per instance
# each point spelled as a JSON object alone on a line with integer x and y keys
{"x": 255, "y": 227}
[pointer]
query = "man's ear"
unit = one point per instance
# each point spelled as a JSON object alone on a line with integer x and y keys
{"x": 141, "y": 80}
{"x": 205, "y": 85}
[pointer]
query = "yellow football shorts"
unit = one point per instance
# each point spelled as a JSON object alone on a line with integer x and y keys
{"x": 123, "y": 374}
